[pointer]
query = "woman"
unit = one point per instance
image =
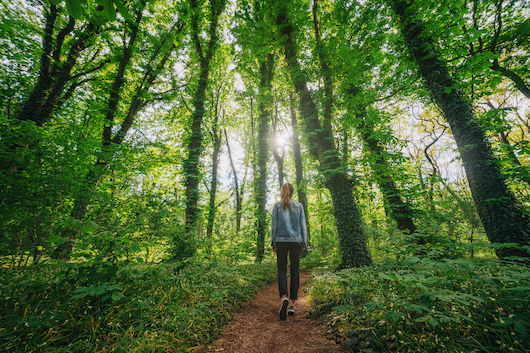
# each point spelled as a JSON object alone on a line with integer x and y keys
{"x": 288, "y": 235}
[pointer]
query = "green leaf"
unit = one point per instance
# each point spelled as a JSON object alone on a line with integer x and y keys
{"x": 444, "y": 297}
{"x": 419, "y": 308}
{"x": 123, "y": 10}
{"x": 385, "y": 276}
{"x": 371, "y": 306}
{"x": 393, "y": 315}
{"x": 74, "y": 8}
{"x": 519, "y": 327}
{"x": 108, "y": 9}
{"x": 116, "y": 296}
{"x": 55, "y": 2}
{"x": 423, "y": 318}
{"x": 495, "y": 81}
{"x": 433, "y": 321}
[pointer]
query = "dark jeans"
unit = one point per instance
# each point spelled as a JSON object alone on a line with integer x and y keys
{"x": 295, "y": 250}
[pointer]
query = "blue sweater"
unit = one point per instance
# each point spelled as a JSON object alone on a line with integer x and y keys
{"x": 288, "y": 225}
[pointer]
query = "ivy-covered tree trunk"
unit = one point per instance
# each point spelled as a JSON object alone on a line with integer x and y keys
{"x": 191, "y": 164}
{"x": 217, "y": 139}
{"x": 299, "y": 167}
{"x": 501, "y": 216}
{"x": 56, "y": 64}
{"x": 399, "y": 210}
{"x": 352, "y": 242}
{"x": 260, "y": 187}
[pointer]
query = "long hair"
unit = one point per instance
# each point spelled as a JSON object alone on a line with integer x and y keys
{"x": 286, "y": 192}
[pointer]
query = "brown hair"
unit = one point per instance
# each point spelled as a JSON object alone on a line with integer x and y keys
{"x": 286, "y": 192}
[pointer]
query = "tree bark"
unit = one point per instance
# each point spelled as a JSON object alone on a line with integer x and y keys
{"x": 260, "y": 187}
{"x": 54, "y": 72}
{"x": 217, "y": 139}
{"x": 516, "y": 79}
{"x": 352, "y": 242}
{"x": 501, "y": 216}
{"x": 236, "y": 187}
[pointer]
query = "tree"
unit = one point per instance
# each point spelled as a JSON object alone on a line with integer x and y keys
{"x": 162, "y": 51}
{"x": 260, "y": 179}
{"x": 277, "y": 150}
{"x": 237, "y": 192}
{"x": 353, "y": 248}
{"x": 205, "y": 53}
{"x": 497, "y": 207}
{"x": 399, "y": 210}
{"x": 217, "y": 138}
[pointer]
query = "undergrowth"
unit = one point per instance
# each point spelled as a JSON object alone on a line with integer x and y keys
{"x": 421, "y": 305}
{"x": 136, "y": 308}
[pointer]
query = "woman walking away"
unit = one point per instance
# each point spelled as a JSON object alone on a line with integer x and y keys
{"x": 288, "y": 235}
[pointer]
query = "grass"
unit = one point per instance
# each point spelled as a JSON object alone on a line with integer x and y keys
{"x": 421, "y": 305}
{"x": 133, "y": 308}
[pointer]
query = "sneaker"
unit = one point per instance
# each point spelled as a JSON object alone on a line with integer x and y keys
{"x": 290, "y": 310}
{"x": 283, "y": 309}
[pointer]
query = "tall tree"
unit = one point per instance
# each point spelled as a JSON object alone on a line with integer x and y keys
{"x": 62, "y": 45}
{"x": 260, "y": 183}
{"x": 217, "y": 138}
{"x": 278, "y": 150}
{"x": 157, "y": 62}
{"x": 352, "y": 242}
{"x": 398, "y": 209}
{"x": 237, "y": 192}
{"x": 255, "y": 37}
{"x": 501, "y": 216}
{"x": 205, "y": 53}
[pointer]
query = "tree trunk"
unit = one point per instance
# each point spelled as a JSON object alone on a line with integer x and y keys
{"x": 352, "y": 242}
{"x": 278, "y": 157}
{"x": 54, "y": 73}
{"x": 217, "y": 139}
{"x": 400, "y": 211}
{"x": 501, "y": 216}
{"x": 236, "y": 187}
{"x": 191, "y": 164}
{"x": 266, "y": 71}
{"x": 516, "y": 79}
{"x": 299, "y": 169}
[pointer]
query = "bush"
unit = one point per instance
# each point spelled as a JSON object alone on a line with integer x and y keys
{"x": 151, "y": 307}
{"x": 423, "y": 305}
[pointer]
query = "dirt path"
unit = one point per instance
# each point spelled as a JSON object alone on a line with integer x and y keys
{"x": 258, "y": 329}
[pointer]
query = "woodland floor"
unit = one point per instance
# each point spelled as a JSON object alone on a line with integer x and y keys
{"x": 258, "y": 329}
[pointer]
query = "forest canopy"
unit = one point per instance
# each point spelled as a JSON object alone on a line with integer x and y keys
{"x": 155, "y": 130}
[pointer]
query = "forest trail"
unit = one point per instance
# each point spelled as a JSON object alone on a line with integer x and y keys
{"x": 258, "y": 329}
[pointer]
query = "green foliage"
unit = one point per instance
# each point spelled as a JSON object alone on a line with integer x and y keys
{"x": 425, "y": 305}
{"x": 145, "y": 308}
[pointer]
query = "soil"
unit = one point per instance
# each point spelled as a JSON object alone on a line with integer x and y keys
{"x": 258, "y": 328}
